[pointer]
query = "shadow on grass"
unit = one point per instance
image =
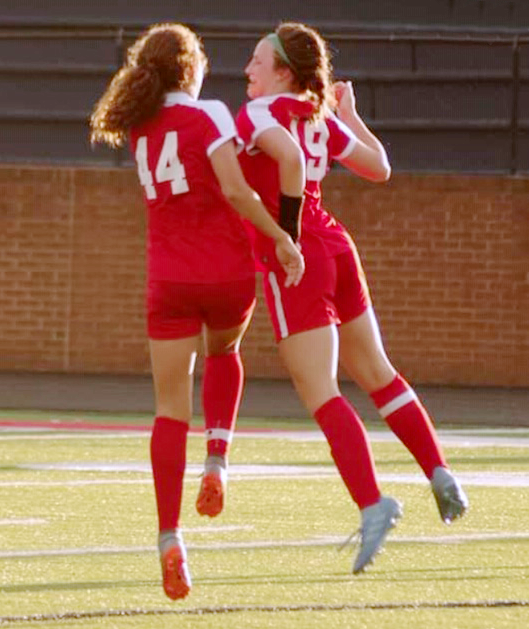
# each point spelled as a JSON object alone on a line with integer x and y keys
{"x": 448, "y": 573}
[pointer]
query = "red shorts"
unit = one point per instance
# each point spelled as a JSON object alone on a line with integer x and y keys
{"x": 332, "y": 290}
{"x": 177, "y": 310}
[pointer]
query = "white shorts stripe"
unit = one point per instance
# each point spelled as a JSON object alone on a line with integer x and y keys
{"x": 398, "y": 402}
{"x": 219, "y": 433}
{"x": 280, "y": 313}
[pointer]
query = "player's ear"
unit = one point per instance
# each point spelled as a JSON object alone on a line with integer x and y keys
{"x": 286, "y": 74}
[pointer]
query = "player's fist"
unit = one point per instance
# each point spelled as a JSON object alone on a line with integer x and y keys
{"x": 345, "y": 96}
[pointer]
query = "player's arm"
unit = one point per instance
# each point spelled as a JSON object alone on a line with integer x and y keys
{"x": 368, "y": 159}
{"x": 281, "y": 147}
{"x": 248, "y": 204}
{"x": 278, "y": 144}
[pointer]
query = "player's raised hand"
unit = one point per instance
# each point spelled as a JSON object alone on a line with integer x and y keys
{"x": 345, "y": 97}
{"x": 291, "y": 259}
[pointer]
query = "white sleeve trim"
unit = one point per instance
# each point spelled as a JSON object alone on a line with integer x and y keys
{"x": 222, "y": 140}
{"x": 353, "y": 139}
{"x": 348, "y": 149}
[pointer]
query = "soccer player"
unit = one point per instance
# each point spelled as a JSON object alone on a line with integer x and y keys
{"x": 329, "y": 317}
{"x": 200, "y": 264}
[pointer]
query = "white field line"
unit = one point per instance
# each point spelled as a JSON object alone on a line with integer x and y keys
{"x": 22, "y": 521}
{"x": 227, "y": 528}
{"x": 248, "y": 472}
{"x": 463, "y": 438}
{"x": 79, "y": 483}
{"x": 326, "y": 540}
{"x": 118, "y": 482}
{"x": 51, "y": 435}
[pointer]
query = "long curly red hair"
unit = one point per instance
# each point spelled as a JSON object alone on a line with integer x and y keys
{"x": 162, "y": 59}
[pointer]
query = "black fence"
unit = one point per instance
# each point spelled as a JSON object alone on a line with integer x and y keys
{"x": 442, "y": 100}
{"x": 353, "y": 13}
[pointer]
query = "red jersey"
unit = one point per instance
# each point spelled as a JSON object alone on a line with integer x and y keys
{"x": 321, "y": 141}
{"x": 193, "y": 233}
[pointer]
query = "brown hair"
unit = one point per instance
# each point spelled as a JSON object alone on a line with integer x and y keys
{"x": 310, "y": 62}
{"x": 162, "y": 59}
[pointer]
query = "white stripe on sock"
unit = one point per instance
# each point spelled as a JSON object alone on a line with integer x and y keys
{"x": 398, "y": 402}
{"x": 219, "y": 433}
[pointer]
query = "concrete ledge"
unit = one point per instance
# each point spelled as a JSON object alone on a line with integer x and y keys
{"x": 490, "y": 406}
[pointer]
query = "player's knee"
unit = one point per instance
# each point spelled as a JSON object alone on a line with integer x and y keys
{"x": 313, "y": 394}
{"x": 375, "y": 377}
{"x": 222, "y": 349}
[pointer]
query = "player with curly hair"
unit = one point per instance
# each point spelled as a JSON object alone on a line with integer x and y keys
{"x": 200, "y": 266}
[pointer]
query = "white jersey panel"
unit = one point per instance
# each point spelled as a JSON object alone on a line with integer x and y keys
{"x": 216, "y": 111}
{"x": 259, "y": 114}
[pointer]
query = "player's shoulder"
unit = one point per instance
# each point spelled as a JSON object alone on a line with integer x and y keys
{"x": 261, "y": 110}
{"x": 264, "y": 104}
{"x": 341, "y": 138}
{"x": 282, "y": 107}
{"x": 333, "y": 122}
{"x": 215, "y": 109}
{"x": 251, "y": 115}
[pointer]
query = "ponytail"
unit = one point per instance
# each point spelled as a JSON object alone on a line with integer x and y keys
{"x": 134, "y": 95}
{"x": 310, "y": 61}
{"x": 317, "y": 92}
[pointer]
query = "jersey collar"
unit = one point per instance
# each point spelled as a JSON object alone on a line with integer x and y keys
{"x": 272, "y": 97}
{"x": 177, "y": 98}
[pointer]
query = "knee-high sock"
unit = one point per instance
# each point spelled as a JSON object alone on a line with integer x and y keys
{"x": 350, "y": 449}
{"x": 168, "y": 459}
{"x": 408, "y": 419}
{"x": 221, "y": 397}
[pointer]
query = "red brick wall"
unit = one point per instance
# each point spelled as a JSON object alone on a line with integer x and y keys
{"x": 446, "y": 258}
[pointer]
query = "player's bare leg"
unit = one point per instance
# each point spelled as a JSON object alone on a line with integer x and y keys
{"x": 172, "y": 367}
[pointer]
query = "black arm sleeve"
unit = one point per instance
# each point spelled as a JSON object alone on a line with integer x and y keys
{"x": 290, "y": 215}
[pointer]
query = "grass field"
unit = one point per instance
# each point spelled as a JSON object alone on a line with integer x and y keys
{"x": 78, "y": 533}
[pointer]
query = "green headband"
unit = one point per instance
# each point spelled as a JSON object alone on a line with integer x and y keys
{"x": 273, "y": 38}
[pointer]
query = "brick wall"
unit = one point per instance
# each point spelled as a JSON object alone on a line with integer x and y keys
{"x": 446, "y": 257}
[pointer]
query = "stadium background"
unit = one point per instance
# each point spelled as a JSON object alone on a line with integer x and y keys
{"x": 445, "y": 83}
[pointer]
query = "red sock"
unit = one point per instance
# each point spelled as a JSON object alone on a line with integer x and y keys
{"x": 350, "y": 449}
{"x": 408, "y": 419}
{"x": 221, "y": 396}
{"x": 168, "y": 458}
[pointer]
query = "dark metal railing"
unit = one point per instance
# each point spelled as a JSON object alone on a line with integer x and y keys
{"x": 123, "y": 35}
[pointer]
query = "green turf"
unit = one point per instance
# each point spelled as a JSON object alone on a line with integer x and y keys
{"x": 145, "y": 419}
{"x": 415, "y": 583}
{"x": 48, "y": 418}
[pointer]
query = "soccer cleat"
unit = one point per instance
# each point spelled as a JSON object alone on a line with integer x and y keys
{"x": 175, "y": 573}
{"x": 212, "y": 492}
{"x": 377, "y": 521}
{"x": 451, "y": 500}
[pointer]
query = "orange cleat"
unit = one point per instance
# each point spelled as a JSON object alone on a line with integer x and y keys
{"x": 210, "y": 500}
{"x": 176, "y": 577}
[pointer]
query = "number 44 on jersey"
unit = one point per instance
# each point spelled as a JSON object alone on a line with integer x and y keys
{"x": 169, "y": 167}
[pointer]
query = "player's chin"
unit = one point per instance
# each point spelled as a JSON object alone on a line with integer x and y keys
{"x": 252, "y": 91}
